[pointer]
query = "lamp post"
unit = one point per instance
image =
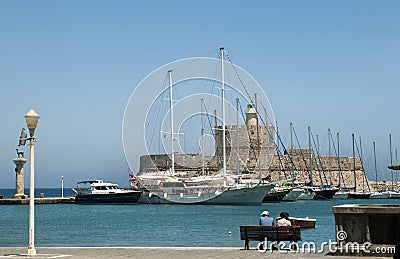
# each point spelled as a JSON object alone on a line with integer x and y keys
{"x": 32, "y": 119}
{"x": 62, "y": 186}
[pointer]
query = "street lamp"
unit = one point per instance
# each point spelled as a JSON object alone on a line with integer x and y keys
{"x": 32, "y": 119}
{"x": 62, "y": 186}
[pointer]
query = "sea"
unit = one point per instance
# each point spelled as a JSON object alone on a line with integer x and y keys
{"x": 73, "y": 225}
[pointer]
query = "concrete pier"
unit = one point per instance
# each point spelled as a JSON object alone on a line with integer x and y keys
{"x": 51, "y": 200}
{"x": 374, "y": 227}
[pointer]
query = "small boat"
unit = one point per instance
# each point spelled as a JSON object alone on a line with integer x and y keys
{"x": 99, "y": 192}
{"x": 302, "y": 222}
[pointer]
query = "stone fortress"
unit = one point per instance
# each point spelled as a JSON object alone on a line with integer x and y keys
{"x": 251, "y": 149}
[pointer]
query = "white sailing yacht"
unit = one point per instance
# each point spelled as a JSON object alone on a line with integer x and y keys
{"x": 197, "y": 190}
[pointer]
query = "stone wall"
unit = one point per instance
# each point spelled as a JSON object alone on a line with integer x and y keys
{"x": 325, "y": 170}
{"x": 245, "y": 152}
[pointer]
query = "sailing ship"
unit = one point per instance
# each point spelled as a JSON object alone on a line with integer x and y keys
{"x": 394, "y": 194}
{"x": 223, "y": 187}
{"x": 343, "y": 192}
{"x": 310, "y": 191}
{"x": 378, "y": 194}
{"x": 358, "y": 194}
{"x": 323, "y": 192}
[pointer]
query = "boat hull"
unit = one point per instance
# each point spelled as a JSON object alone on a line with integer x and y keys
{"x": 380, "y": 195}
{"x": 306, "y": 196}
{"x": 275, "y": 196}
{"x": 109, "y": 198}
{"x": 394, "y": 195}
{"x": 303, "y": 222}
{"x": 324, "y": 194}
{"x": 293, "y": 195}
{"x": 241, "y": 196}
{"x": 359, "y": 195}
{"x": 234, "y": 196}
{"x": 341, "y": 195}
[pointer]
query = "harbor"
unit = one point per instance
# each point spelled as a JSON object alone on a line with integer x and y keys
{"x": 139, "y": 225}
{"x": 189, "y": 228}
{"x": 247, "y": 164}
{"x": 200, "y": 129}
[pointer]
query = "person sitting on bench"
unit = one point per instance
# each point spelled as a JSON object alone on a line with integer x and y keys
{"x": 284, "y": 220}
{"x": 265, "y": 220}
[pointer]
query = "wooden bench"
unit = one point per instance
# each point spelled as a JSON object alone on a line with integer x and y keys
{"x": 262, "y": 233}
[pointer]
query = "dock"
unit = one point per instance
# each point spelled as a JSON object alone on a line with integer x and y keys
{"x": 158, "y": 252}
{"x": 50, "y": 200}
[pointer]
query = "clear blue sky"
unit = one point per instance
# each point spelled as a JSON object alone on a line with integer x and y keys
{"x": 327, "y": 64}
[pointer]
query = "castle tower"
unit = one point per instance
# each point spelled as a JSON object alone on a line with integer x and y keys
{"x": 251, "y": 116}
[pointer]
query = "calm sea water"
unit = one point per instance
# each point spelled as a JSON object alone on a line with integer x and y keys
{"x": 153, "y": 225}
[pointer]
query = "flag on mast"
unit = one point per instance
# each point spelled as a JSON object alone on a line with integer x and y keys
{"x": 132, "y": 178}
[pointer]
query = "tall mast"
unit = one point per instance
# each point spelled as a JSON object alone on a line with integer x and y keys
{"x": 362, "y": 167}
{"x": 237, "y": 136}
{"x": 291, "y": 147}
{"x": 338, "y": 156}
{"x": 277, "y": 134}
{"x": 376, "y": 170}
{"x": 269, "y": 139}
{"x": 291, "y": 138}
{"x": 354, "y": 164}
{"x": 223, "y": 116}
{"x": 258, "y": 138}
{"x": 202, "y": 136}
{"x": 316, "y": 163}
{"x": 258, "y": 132}
{"x": 391, "y": 159}
{"x": 396, "y": 172}
{"x": 216, "y": 133}
{"x": 172, "y": 122}
{"x": 310, "y": 147}
{"x": 329, "y": 155}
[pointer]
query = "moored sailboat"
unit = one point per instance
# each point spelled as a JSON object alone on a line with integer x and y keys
{"x": 358, "y": 194}
{"x": 172, "y": 187}
{"x": 378, "y": 194}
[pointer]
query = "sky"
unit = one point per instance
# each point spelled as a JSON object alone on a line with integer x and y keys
{"x": 323, "y": 64}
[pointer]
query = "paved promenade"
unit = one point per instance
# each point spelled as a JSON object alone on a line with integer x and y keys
{"x": 156, "y": 252}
